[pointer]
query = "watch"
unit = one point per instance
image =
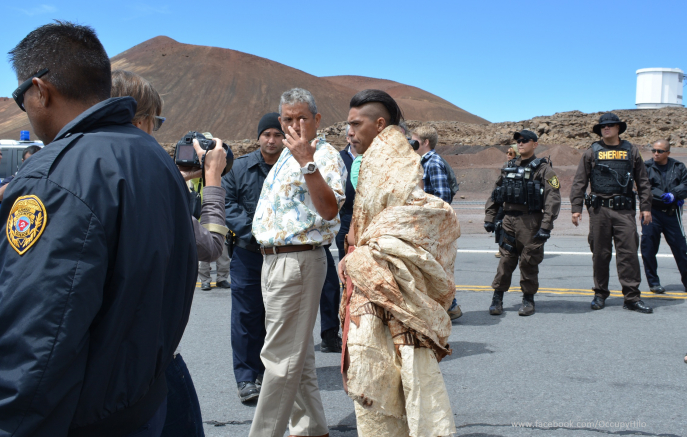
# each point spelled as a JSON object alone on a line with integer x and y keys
{"x": 309, "y": 168}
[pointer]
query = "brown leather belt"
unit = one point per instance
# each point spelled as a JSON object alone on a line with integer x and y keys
{"x": 276, "y": 250}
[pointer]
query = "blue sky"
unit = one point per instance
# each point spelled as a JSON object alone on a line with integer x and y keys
{"x": 501, "y": 60}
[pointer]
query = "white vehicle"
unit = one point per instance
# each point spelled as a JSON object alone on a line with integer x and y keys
{"x": 11, "y": 155}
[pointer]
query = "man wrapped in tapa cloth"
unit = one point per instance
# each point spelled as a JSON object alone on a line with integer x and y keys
{"x": 399, "y": 283}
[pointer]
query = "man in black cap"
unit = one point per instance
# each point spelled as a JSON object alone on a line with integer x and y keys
{"x": 528, "y": 191}
{"x": 612, "y": 166}
{"x": 243, "y": 185}
{"x": 668, "y": 179}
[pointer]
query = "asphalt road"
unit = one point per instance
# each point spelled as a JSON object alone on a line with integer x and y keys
{"x": 565, "y": 371}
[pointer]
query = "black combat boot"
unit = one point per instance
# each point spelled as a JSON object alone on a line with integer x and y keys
{"x": 598, "y": 303}
{"x": 496, "y": 308}
{"x": 527, "y": 308}
{"x": 638, "y": 306}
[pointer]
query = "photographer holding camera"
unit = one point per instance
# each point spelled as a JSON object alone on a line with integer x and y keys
{"x": 190, "y": 165}
{"x": 183, "y": 409}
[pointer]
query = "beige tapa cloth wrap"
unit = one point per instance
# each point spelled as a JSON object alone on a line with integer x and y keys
{"x": 402, "y": 267}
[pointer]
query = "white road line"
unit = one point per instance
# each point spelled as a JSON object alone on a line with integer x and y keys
{"x": 548, "y": 252}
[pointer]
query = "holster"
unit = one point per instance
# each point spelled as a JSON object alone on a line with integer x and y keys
{"x": 230, "y": 241}
{"x": 498, "y": 230}
{"x": 507, "y": 241}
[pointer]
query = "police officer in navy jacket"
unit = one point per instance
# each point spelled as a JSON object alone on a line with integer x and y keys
{"x": 97, "y": 258}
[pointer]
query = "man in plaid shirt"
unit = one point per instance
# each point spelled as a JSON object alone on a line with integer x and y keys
{"x": 435, "y": 179}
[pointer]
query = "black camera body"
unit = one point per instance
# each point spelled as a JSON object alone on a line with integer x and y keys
{"x": 185, "y": 154}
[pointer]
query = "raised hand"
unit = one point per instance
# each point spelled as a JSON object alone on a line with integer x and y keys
{"x": 301, "y": 148}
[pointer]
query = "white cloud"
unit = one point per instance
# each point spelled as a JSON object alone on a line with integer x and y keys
{"x": 37, "y": 10}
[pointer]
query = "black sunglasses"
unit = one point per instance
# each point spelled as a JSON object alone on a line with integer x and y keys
{"x": 608, "y": 125}
{"x": 18, "y": 94}
{"x": 523, "y": 141}
{"x": 659, "y": 151}
{"x": 158, "y": 122}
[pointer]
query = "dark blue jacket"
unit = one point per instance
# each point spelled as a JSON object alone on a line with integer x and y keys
{"x": 675, "y": 181}
{"x": 243, "y": 184}
{"x": 92, "y": 312}
{"x": 347, "y": 208}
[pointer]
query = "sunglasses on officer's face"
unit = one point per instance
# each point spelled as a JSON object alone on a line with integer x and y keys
{"x": 523, "y": 141}
{"x": 158, "y": 122}
{"x": 18, "y": 94}
{"x": 608, "y": 125}
{"x": 659, "y": 151}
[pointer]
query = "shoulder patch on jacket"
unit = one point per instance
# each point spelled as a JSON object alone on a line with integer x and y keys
{"x": 26, "y": 223}
{"x": 554, "y": 182}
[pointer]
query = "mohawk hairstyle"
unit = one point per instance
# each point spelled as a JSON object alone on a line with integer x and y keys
{"x": 378, "y": 96}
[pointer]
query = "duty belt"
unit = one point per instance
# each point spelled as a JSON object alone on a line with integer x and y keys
{"x": 255, "y": 248}
{"x": 660, "y": 206}
{"x": 615, "y": 202}
{"x": 516, "y": 213}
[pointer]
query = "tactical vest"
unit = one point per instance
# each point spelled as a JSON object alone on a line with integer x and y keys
{"x": 613, "y": 169}
{"x": 518, "y": 186}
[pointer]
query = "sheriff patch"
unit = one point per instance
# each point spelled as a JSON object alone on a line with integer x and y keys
{"x": 554, "y": 182}
{"x": 613, "y": 154}
{"x": 26, "y": 223}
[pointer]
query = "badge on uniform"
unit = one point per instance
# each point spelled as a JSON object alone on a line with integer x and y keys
{"x": 554, "y": 182}
{"x": 26, "y": 223}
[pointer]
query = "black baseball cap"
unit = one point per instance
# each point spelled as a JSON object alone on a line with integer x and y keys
{"x": 525, "y": 134}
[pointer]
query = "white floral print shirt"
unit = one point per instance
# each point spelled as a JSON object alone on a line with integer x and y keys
{"x": 285, "y": 214}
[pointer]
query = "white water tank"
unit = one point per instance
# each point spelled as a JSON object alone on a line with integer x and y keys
{"x": 659, "y": 87}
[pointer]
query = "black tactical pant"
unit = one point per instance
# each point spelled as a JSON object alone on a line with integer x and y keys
{"x": 670, "y": 225}
{"x": 528, "y": 251}
{"x": 608, "y": 227}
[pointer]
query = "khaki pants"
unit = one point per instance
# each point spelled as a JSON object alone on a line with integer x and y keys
{"x": 222, "y": 268}
{"x": 291, "y": 288}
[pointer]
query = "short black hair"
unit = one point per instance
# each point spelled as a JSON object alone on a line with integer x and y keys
{"x": 79, "y": 66}
{"x": 30, "y": 150}
{"x": 378, "y": 96}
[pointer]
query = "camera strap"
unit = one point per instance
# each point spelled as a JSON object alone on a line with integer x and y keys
{"x": 202, "y": 167}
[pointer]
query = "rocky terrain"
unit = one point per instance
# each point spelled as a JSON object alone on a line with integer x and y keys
{"x": 572, "y": 128}
{"x": 476, "y": 152}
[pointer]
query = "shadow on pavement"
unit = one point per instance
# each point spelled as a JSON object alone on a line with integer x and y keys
{"x": 329, "y": 378}
{"x": 658, "y": 302}
{"x": 556, "y": 306}
{"x": 674, "y": 287}
{"x": 462, "y": 349}
{"x": 345, "y": 428}
{"x": 478, "y": 318}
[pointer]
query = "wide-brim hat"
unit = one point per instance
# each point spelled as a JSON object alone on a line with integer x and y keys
{"x": 609, "y": 118}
